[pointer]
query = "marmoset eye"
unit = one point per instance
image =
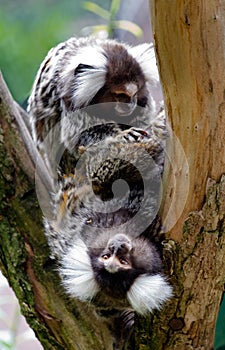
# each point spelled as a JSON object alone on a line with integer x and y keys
{"x": 106, "y": 256}
{"x": 124, "y": 261}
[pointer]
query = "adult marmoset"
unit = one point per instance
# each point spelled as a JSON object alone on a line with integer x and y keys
{"x": 97, "y": 236}
{"x": 87, "y": 71}
{"x": 103, "y": 258}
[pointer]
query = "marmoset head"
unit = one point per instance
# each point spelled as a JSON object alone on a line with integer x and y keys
{"x": 110, "y": 72}
{"x": 120, "y": 268}
{"x": 124, "y": 83}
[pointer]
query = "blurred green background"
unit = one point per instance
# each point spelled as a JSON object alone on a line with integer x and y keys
{"x": 28, "y": 29}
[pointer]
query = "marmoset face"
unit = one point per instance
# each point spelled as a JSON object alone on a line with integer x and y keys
{"x": 117, "y": 255}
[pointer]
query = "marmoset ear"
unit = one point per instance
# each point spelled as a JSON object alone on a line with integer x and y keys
{"x": 149, "y": 292}
{"x": 83, "y": 68}
{"x": 77, "y": 273}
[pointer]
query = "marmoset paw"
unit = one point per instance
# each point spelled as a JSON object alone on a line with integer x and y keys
{"x": 134, "y": 135}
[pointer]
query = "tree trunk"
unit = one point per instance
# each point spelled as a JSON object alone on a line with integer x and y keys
{"x": 190, "y": 44}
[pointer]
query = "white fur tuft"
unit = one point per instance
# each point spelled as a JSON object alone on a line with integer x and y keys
{"x": 77, "y": 274}
{"x": 148, "y": 293}
{"x": 88, "y": 83}
{"x": 145, "y": 56}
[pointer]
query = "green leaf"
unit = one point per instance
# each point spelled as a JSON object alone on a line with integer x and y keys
{"x": 114, "y": 7}
{"x": 98, "y": 10}
{"x": 130, "y": 27}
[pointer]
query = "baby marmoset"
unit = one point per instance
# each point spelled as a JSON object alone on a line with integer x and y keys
{"x": 96, "y": 236}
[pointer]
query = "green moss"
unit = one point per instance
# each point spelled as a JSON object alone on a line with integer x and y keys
{"x": 17, "y": 224}
{"x": 6, "y": 175}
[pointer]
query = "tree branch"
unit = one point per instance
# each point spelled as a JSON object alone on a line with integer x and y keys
{"x": 11, "y": 108}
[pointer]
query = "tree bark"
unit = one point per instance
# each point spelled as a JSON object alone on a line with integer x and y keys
{"x": 190, "y": 45}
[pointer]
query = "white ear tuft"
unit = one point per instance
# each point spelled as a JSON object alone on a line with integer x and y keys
{"x": 145, "y": 56}
{"x": 87, "y": 84}
{"x": 148, "y": 293}
{"x": 77, "y": 274}
{"x": 90, "y": 80}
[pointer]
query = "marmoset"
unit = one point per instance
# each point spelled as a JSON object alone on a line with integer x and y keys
{"x": 86, "y": 72}
{"x": 98, "y": 234}
{"x": 103, "y": 256}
